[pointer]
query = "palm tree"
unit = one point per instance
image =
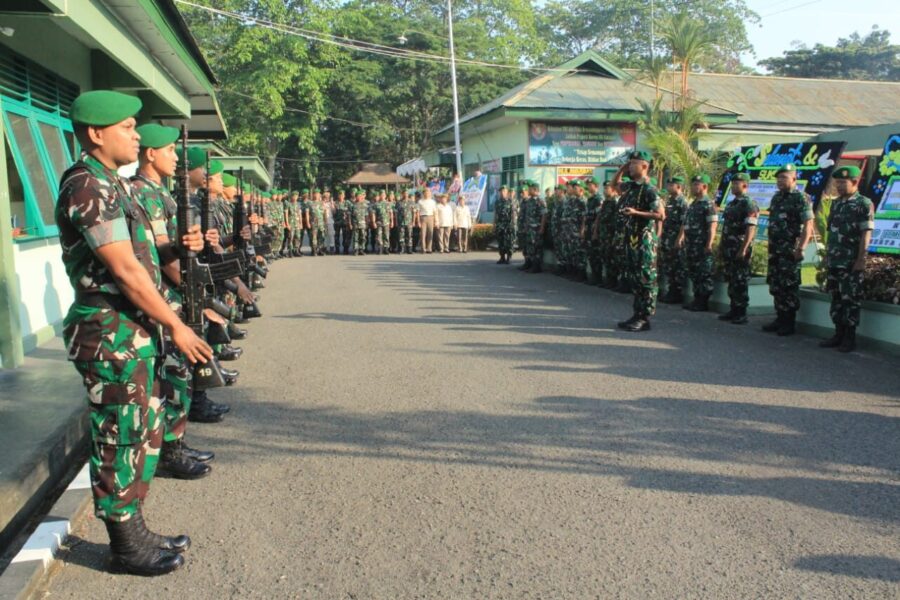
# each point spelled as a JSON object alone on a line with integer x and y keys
{"x": 689, "y": 40}
{"x": 652, "y": 70}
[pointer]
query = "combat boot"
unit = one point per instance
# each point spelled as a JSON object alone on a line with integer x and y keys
{"x": 740, "y": 317}
{"x": 775, "y": 325}
{"x": 730, "y": 315}
{"x": 639, "y": 324}
{"x": 204, "y": 410}
{"x": 536, "y": 268}
{"x": 228, "y": 353}
{"x": 174, "y": 463}
{"x": 848, "y": 343}
{"x": 526, "y": 265}
{"x": 622, "y": 288}
{"x": 579, "y": 276}
{"x": 700, "y": 304}
{"x": 236, "y": 333}
{"x": 835, "y": 340}
{"x": 502, "y": 259}
{"x": 177, "y": 544}
{"x": 130, "y": 552}
{"x": 788, "y": 324}
{"x": 625, "y": 324}
{"x": 201, "y": 455}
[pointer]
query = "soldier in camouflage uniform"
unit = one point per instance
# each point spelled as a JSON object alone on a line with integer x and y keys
{"x": 642, "y": 210}
{"x": 381, "y": 220}
{"x": 697, "y": 236}
{"x": 359, "y": 222}
{"x": 789, "y": 231}
{"x": 315, "y": 222}
{"x": 620, "y": 256}
{"x": 406, "y": 215}
{"x": 573, "y": 218}
{"x": 523, "y": 202}
{"x": 556, "y": 217}
{"x": 110, "y": 257}
{"x": 671, "y": 257}
{"x": 302, "y": 213}
{"x": 850, "y": 226}
{"x": 739, "y": 222}
{"x": 588, "y": 233}
{"x": 341, "y": 229}
{"x": 605, "y": 236}
{"x": 505, "y": 221}
{"x": 288, "y": 206}
{"x": 535, "y": 226}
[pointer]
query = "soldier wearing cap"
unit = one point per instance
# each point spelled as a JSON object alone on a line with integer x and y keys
{"x": 556, "y": 210}
{"x": 505, "y": 217}
{"x": 696, "y": 237}
{"x": 604, "y": 232}
{"x": 535, "y": 226}
{"x": 789, "y": 231}
{"x": 850, "y": 226}
{"x": 623, "y": 285}
{"x": 112, "y": 329}
{"x": 739, "y": 221}
{"x": 524, "y": 205}
{"x": 589, "y": 240}
{"x": 288, "y": 209}
{"x": 573, "y": 222}
{"x": 671, "y": 257}
{"x": 643, "y": 210}
{"x": 341, "y": 227}
{"x": 358, "y": 220}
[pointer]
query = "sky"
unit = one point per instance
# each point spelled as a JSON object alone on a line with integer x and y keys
{"x": 816, "y": 21}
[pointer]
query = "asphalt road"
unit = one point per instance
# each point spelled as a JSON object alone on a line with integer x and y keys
{"x": 443, "y": 427}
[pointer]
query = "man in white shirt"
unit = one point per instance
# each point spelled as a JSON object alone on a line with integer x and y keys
{"x": 444, "y": 220}
{"x": 427, "y": 207}
{"x": 462, "y": 222}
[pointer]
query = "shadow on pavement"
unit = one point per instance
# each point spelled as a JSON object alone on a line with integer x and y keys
{"x": 865, "y": 567}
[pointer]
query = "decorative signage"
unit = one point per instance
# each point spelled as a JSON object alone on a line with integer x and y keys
{"x": 554, "y": 144}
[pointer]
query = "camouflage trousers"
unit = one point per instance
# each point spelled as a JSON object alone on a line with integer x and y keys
{"x": 699, "y": 265}
{"x": 594, "y": 256}
{"x": 382, "y": 236}
{"x": 506, "y": 238}
{"x": 281, "y": 240}
{"x": 641, "y": 272}
{"x": 358, "y": 236}
{"x": 737, "y": 273}
{"x": 521, "y": 241}
{"x": 784, "y": 280}
{"x": 298, "y": 237}
{"x": 534, "y": 246}
{"x": 576, "y": 250}
{"x": 341, "y": 238}
{"x": 405, "y": 239}
{"x": 610, "y": 257}
{"x": 560, "y": 245}
{"x": 126, "y": 432}
{"x": 671, "y": 265}
{"x": 845, "y": 286}
{"x": 175, "y": 390}
{"x": 317, "y": 238}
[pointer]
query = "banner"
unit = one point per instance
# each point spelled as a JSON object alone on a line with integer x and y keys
{"x": 473, "y": 193}
{"x": 567, "y": 174}
{"x": 814, "y": 164}
{"x": 555, "y": 144}
{"x": 885, "y": 194}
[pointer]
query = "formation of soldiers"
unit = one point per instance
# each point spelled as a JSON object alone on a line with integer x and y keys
{"x": 627, "y": 234}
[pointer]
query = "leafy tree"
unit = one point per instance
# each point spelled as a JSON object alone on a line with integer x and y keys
{"x": 690, "y": 41}
{"x": 871, "y": 57}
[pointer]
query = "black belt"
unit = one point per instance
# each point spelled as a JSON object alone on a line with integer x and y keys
{"x": 115, "y": 302}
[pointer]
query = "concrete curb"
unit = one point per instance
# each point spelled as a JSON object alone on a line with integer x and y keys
{"x": 29, "y": 567}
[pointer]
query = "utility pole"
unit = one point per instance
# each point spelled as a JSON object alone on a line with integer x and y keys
{"x": 458, "y": 149}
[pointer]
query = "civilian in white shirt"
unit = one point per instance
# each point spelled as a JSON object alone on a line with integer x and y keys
{"x": 444, "y": 221}
{"x": 462, "y": 222}
{"x": 427, "y": 208}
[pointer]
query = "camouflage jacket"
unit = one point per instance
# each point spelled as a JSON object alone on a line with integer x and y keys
{"x": 739, "y": 214}
{"x": 316, "y": 212}
{"x": 505, "y": 214}
{"x": 642, "y": 197}
{"x": 359, "y": 212}
{"x": 699, "y": 215}
{"x": 382, "y": 212}
{"x": 787, "y": 214}
{"x": 341, "y": 212}
{"x": 676, "y": 209}
{"x": 608, "y": 215}
{"x": 537, "y": 210}
{"x": 848, "y": 220}
{"x": 162, "y": 210}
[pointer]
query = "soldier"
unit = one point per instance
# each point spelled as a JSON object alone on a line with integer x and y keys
{"x": 358, "y": 222}
{"x": 407, "y": 214}
{"x": 789, "y": 231}
{"x": 341, "y": 229}
{"x": 381, "y": 220}
{"x": 315, "y": 222}
{"x": 287, "y": 208}
{"x": 850, "y": 226}
{"x": 589, "y": 239}
{"x": 112, "y": 329}
{"x": 623, "y": 285}
{"x": 696, "y": 238}
{"x": 505, "y": 218}
{"x": 573, "y": 215}
{"x": 536, "y": 225}
{"x": 671, "y": 257}
{"x": 739, "y": 221}
{"x": 303, "y": 211}
{"x": 524, "y": 204}
{"x": 556, "y": 209}
{"x": 605, "y": 235}
{"x": 643, "y": 210}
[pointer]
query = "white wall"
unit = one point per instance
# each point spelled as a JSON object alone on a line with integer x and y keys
{"x": 44, "y": 290}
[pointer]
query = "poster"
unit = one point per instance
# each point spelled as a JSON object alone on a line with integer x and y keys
{"x": 885, "y": 194}
{"x": 473, "y": 193}
{"x": 814, "y": 164}
{"x": 555, "y": 144}
{"x": 566, "y": 174}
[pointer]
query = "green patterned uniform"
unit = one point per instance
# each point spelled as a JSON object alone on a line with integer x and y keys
{"x": 359, "y": 214}
{"x": 620, "y": 242}
{"x": 593, "y": 247}
{"x": 381, "y": 210}
{"x": 316, "y": 226}
{"x": 113, "y": 345}
{"x": 573, "y": 216}
{"x": 406, "y": 218}
{"x": 641, "y": 247}
{"x": 787, "y": 215}
{"x": 521, "y": 224}
{"x": 671, "y": 259}
{"x": 534, "y": 240}
{"x": 741, "y": 213}
{"x": 698, "y": 261}
{"x": 610, "y": 241}
{"x": 276, "y": 221}
{"x": 174, "y": 372}
{"x": 505, "y": 224}
{"x": 556, "y": 210}
{"x": 340, "y": 215}
{"x": 849, "y": 219}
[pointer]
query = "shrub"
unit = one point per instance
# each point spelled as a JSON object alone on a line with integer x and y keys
{"x": 481, "y": 236}
{"x": 881, "y": 280}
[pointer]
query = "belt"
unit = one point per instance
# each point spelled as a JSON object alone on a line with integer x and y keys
{"x": 101, "y": 300}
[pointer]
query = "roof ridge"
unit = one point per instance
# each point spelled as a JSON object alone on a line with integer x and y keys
{"x": 821, "y": 79}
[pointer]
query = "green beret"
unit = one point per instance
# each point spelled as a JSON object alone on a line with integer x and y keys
{"x": 788, "y": 168}
{"x": 196, "y": 157}
{"x": 305, "y": 190}
{"x": 503, "y": 187}
{"x": 157, "y": 136}
{"x": 594, "y": 180}
{"x": 848, "y": 172}
{"x": 701, "y": 178}
{"x": 640, "y": 155}
{"x": 741, "y": 177}
{"x": 317, "y": 191}
{"x": 295, "y": 193}
{"x": 246, "y": 187}
{"x": 533, "y": 183}
{"x": 608, "y": 183}
{"x": 216, "y": 167}
{"x": 577, "y": 183}
{"x": 228, "y": 180}
{"x": 101, "y": 108}
{"x": 560, "y": 186}
{"x": 677, "y": 179}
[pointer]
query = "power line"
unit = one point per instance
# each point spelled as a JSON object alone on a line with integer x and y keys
{"x": 784, "y": 10}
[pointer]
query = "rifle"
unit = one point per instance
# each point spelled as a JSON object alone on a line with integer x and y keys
{"x": 195, "y": 277}
{"x": 243, "y": 250}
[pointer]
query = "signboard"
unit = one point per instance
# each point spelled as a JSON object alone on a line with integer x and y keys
{"x": 554, "y": 144}
{"x": 566, "y": 174}
{"x": 814, "y": 164}
{"x": 473, "y": 192}
{"x": 885, "y": 193}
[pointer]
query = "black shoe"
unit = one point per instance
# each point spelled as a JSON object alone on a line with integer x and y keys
{"x": 641, "y": 324}
{"x": 622, "y": 288}
{"x": 234, "y": 373}
{"x": 787, "y": 326}
{"x": 627, "y": 323}
{"x": 835, "y": 340}
{"x": 174, "y": 463}
{"x": 740, "y": 317}
{"x": 501, "y": 261}
{"x": 204, "y": 410}
{"x": 130, "y": 551}
{"x": 729, "y": 316}
{"x": 848, "y": 342}
{"x": 201, "y": 455}
{"x": 700, "y": 304}
{"x": 775, "y": 325}
{"x": 236, "y": 333}
{"x": 525, "y": 266}
{"x": 229, "y": 353}
{"x": 579, "y": 277}
{"x": 177, "y": 544}
{"x": 536, "y": 268}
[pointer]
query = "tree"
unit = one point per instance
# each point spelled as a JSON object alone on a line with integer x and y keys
{"x": 690, "y": 41}
{"x": 872, "y": 57}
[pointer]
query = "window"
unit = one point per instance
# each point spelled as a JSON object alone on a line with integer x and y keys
{"x": 513, "y": 170}
{"x": 40, "y": 145}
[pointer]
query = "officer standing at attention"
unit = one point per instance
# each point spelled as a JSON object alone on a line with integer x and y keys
{"x": 697, "y": 236}
{"x": 341, "y": 218}
{"x": 789, "y": 231}
{"x": 112, "y": 329}
{"x": 850, "y": 226}
{"x": 643, "y": 210}
{"x": 358, "y": 222}
{"x": 589, "y": 240}
{"x": 537, "y": 225}
{"x": 505, "y": 217}
{"x": 605, "y": 234}
{"x": 739, "y": 221}
{"x": 524, "y": 204}
{"x": 671, "y": 257}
